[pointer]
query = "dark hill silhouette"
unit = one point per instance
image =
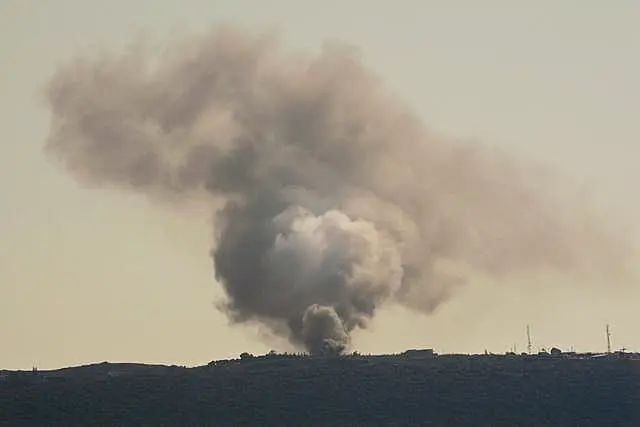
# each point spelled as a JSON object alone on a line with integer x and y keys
{"x": 414, "y": 389}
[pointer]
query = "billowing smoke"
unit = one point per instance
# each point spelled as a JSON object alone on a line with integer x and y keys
{"x": 329, "y": 197}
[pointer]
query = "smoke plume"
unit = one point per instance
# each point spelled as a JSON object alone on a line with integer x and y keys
{"x": 329, "y": 197}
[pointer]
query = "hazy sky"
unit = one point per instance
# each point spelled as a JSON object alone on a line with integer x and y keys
{"x": 87, "y": 276}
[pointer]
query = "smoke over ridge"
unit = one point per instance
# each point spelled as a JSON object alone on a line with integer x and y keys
{"x": 329, "y": 196}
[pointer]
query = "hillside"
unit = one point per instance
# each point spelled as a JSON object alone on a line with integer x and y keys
{"x": 401, "y": 390}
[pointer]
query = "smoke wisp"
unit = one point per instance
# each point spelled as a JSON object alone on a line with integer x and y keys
{"x": 329, "y": 197}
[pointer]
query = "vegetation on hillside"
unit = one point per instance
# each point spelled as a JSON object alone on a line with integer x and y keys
{"x": 294, "y": 390}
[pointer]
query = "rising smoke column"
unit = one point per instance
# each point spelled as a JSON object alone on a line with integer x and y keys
{"x": 328, "y": 195}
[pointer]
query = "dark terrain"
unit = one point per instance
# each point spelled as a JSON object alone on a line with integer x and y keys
{"x": 402, "y": 390}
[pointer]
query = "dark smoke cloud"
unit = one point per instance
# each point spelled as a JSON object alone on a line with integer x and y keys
{"x": 329, "y": 196}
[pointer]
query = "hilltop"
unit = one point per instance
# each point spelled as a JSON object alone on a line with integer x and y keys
{"x": 414, "y": 388}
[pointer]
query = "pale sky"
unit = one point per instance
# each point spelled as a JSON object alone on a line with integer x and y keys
{"x": 87, "y": 276}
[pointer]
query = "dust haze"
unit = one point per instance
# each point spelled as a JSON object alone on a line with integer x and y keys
{"x": 329, "y": 197}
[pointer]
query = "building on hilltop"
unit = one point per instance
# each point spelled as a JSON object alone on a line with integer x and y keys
{"x": 421, "y": 353}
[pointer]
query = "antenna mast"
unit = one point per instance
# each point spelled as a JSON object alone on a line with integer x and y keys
{"x": 528, "y": 339}
{"x": 608, "y": 339}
